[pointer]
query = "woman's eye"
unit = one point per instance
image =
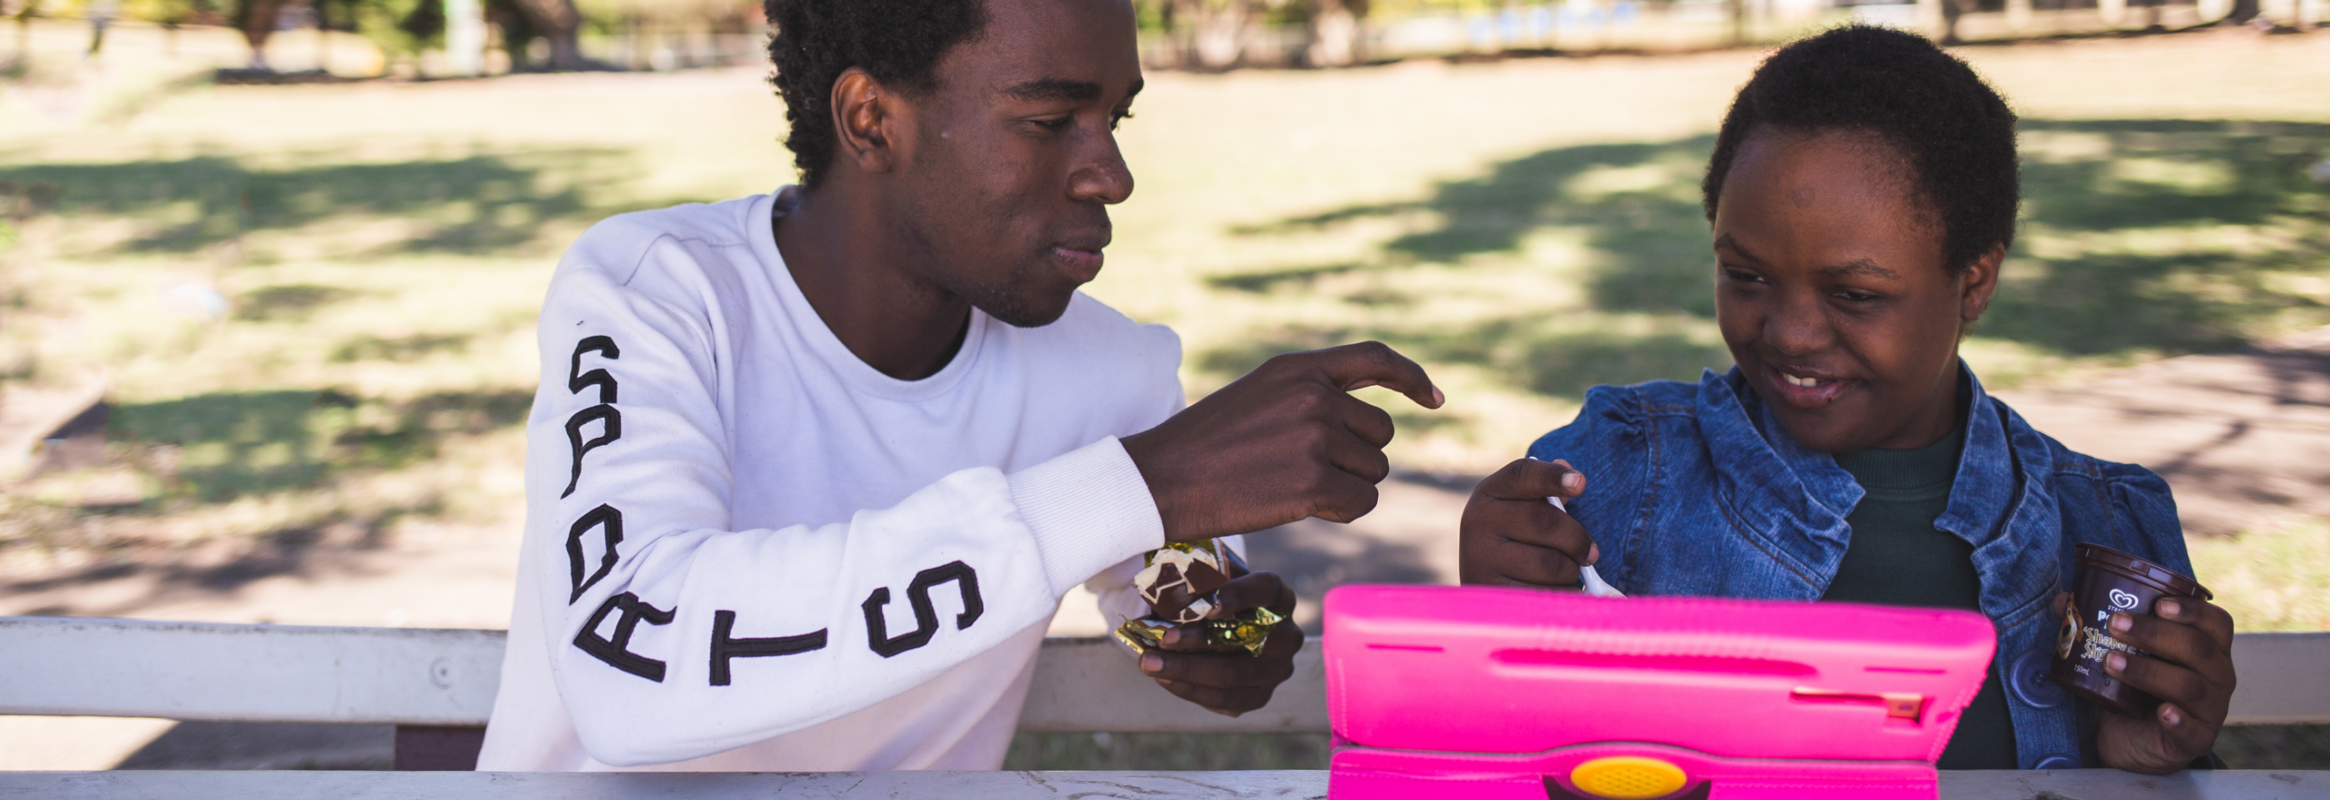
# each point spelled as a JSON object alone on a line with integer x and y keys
{"x": 1118, "y": 119}
{"x": 1852, "y": 296}
{"x": 1741, "y": 275}
{"x": 1059, "y": 124}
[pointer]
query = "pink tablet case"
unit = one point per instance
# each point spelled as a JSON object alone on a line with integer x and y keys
{"x": 1475, "y": 692}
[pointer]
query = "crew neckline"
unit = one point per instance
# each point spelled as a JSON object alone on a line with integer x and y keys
{"x": 819, "y": 335}
{"x": 1918, "y": 471}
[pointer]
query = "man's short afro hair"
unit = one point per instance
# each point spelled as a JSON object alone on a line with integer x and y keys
{"x": 898, "y": 42}
{"x": 1957, "y": 133}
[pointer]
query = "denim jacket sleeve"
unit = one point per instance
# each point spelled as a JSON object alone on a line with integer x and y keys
{"x": 1613, "y": 442}
{"x": 2132, "y": 510}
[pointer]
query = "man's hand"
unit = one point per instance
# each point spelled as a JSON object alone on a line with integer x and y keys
{"x": 1229, "y": 680}
{"x": 1511, "y": 537}
{"x": 2190, "y": 670}
{"x": 1283, "y": 443}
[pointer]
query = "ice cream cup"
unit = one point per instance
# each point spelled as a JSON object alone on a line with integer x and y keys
{"x": 2107, "y": 582}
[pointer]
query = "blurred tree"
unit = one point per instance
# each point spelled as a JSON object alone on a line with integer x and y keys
{"x": 555, "y": 21}
{"x": 400, "y": 28}
{"x": 1207, "y": 34}
{"x": 171, "y": 15}
{"x": 1335, "y": 28}
{"x": 257, "y": 20}
{"x": 25, "y": 11}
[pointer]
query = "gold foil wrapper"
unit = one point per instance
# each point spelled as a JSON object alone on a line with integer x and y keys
{"x": 1249, "y": 631}
{"x": 1178, "y": 580}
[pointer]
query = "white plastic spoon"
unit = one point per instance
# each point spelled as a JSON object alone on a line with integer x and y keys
{"x": 1595, "y": 586}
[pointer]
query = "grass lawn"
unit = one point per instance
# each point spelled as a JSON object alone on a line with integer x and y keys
{"x": 312, "y": 305}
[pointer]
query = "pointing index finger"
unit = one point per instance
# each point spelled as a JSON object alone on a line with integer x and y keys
{"x": 1358, "y": 366}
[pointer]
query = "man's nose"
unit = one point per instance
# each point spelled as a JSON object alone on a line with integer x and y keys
{"x": 1103, "y": 178}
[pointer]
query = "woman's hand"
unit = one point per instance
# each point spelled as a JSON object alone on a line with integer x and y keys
{"x": 1511, "y": 537}
{"x": 2190, "y": 670}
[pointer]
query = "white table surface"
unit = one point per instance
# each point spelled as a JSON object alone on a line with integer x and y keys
{"x": 161, "y": 785}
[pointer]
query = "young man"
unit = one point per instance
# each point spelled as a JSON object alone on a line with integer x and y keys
{"x": 809, "y": 472}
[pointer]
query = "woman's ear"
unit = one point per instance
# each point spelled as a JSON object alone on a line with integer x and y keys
{"x": 865, "y": 114}
{"x": 1977, "y": 282}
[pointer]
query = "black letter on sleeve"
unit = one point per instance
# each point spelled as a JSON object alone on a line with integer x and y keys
{"x": 617, "y": 651}
{"x": 576, "y": 379}
{"x": 610, "y": 521}
{"x": 725, "y": 648}
{"x": 925, "y": 614}
{"x": 574, "y": 424}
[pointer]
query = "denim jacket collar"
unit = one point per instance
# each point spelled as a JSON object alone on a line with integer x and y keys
{"x": 1792, "y": 498}
{"x": 1796, "y": 499}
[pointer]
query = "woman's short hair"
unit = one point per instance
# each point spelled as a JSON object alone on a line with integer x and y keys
{"x": 1956, "y": 132}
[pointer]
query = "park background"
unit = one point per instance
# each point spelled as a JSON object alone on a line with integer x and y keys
{"x": 266, "y": 314}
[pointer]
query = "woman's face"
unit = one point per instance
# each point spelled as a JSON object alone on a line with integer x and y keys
{"x": 1832, "y": 293}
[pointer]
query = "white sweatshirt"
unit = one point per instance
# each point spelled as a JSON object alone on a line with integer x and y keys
{"x": 746, "y": 549}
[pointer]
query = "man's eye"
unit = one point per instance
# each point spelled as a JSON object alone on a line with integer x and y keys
{"x": 1852, "y": 296}
{"x": 1118, "y": 119}
{"x": 1741, "y": 275}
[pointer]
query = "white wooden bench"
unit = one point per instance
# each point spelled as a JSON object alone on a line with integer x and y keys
{"x": 437, "y": 686}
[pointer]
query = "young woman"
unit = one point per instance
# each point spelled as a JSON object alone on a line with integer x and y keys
{"x": 1862, "y": 195}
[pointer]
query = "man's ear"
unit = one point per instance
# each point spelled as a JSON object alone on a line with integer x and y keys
{"x": 1976, "y": 284}
{"x": 866, "y": 120}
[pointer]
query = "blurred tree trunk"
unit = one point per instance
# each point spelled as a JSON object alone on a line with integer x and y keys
{"x": 1335, "y": 32}
{"x": 1952, "y": 11}
{"x": 1739, "y": 21}
{"x": 1221, "y": 31}
{"x": 24, "y": 15}
{"x": 256, "y": 19}
{"x": 560, "y": 24}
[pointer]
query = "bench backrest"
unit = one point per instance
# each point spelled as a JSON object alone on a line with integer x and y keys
{"x": 440, "y": 684}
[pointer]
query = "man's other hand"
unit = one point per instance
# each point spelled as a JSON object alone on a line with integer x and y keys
{"x": 1229, "y": 680}
{"x": 1511, "y": 537}
{"x": 1283, "y": 443}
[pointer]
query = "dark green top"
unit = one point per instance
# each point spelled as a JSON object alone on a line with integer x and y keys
{"x": 1898, "y": 558}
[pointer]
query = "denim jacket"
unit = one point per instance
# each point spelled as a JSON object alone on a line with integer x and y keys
{"x": 1697, "y": 490}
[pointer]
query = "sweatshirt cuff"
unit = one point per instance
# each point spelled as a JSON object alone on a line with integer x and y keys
{"x": 1088, "y": 510}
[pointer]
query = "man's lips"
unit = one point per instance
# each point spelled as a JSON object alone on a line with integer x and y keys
{"x": 1082, "y": 262}
{"x": 1807, "y": 389}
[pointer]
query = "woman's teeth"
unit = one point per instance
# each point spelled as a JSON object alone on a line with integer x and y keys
{"x": 1796, "y": 381}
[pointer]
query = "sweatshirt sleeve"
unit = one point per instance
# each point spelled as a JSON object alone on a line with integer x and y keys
{"x": 675, "y": 636}
{"x": 1112, "y": 588}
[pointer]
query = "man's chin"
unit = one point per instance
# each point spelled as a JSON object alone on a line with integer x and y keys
{"x": 1029, "y": 312}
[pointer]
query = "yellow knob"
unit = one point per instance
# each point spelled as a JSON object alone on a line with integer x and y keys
{"x": 1628, "y": 778}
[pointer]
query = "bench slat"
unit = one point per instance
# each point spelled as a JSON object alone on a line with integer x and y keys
{"x": 253, "y": 673}
{"x": 283, "y": 673}
{"x": 2284, "y": 679}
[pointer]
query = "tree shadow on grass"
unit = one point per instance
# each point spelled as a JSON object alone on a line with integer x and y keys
{"x": 238, "y": 444}
{"x": 233, "y": 445}
{"x": 2188, "y": 231}
{"x": 475, "y": 204}
{"x": 2183, "y": 236}
{"x": 1637, "y": 205}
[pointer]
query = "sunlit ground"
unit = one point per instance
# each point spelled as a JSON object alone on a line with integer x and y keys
{"x": 312, "y": 306}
